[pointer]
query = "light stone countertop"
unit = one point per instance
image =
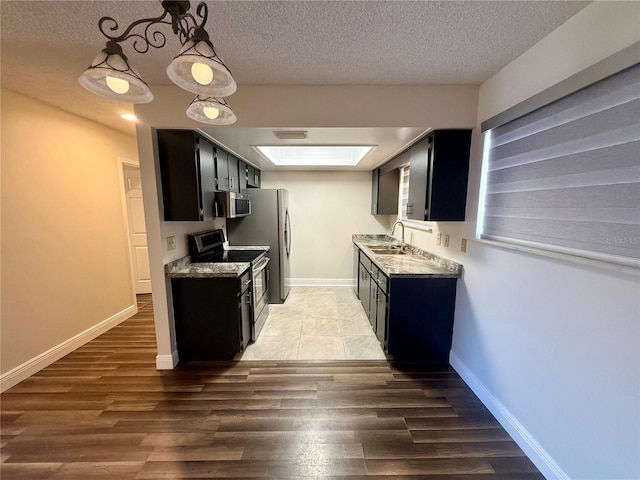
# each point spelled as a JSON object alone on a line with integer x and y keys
{"x": 183, "y": 268}
{"x": 417, "y": 263}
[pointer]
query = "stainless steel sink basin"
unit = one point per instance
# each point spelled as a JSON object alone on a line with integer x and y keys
{"x": 388, "y": 250}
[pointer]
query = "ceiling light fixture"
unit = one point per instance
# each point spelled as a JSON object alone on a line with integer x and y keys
{"x": 197, "y": 68}
{"x": 314, "y": 155}
{"x": 129, "y": 116}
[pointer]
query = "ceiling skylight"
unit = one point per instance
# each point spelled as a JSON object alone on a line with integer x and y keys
{"x": 314, "y": 156}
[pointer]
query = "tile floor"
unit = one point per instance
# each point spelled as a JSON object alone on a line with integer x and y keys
{"x": 316, "y": 323}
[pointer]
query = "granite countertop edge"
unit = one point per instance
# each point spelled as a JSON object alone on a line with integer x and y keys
{"x": 183, "y": 268}
{"x": 417, "y": 264}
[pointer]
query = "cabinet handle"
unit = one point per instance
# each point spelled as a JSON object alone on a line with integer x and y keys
{"x": 409, "y": 208}
{"x": 249, "y": 298}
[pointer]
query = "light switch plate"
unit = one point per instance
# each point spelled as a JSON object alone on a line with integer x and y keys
{"x": 171, "y": 243}
{"x": 463, "y": 245}
{"x": 446, "y": 240}
{"x": 439, "y": 239}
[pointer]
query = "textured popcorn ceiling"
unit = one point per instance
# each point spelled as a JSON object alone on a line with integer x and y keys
{"x": 47, "y": 44}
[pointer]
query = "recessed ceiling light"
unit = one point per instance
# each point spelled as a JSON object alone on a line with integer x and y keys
{"x": 129, "y": 116}
{"x": 314, "y": 156}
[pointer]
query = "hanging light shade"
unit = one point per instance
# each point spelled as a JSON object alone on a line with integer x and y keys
{"x": 111, "y": 76}
{"x": 214, "y": 111}
{"x": 198, "y": 69}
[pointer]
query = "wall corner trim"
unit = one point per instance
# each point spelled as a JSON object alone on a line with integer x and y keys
{"x": 536, "y": 453}
{"x": 30, "y": 367}
{"x": 167, "y": 362}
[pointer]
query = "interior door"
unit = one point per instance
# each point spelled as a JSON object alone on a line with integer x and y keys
{"x": 137, "y": 229}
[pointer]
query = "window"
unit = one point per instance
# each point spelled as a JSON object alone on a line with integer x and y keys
{"x": 404, "y": 191}
{"x": 566, "y": 177}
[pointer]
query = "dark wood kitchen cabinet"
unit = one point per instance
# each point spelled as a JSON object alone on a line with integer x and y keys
{"x": 384, "y": 192}
{"x": 212, "y": 316}
{"x": 438, "y": 174}
{"x": 227, "y": 175}
{"x": 411, "y": 316}
{"x": 372, "y": 291}
{"x": 187, "y": 171}
{"x": 253, "y": 176}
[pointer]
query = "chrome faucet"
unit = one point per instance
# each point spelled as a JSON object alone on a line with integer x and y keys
{"x": 393, "y": 229}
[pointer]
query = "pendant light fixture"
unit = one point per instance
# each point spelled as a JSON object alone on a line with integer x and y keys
{"x": 197, "y": 68}
{"x": 214, "y": 111}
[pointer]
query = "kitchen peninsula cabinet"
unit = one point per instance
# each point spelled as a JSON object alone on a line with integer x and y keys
{"x": 187, "y": 170}
{"x": 410, "y": 312}
{"x": 212, "y": 316}
{"x": 438, "y": 174}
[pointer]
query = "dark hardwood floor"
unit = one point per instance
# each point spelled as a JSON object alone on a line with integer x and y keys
{"x": 105, "y": 412}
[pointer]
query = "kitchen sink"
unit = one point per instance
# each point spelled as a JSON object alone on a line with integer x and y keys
{"x": 388, "y": 250}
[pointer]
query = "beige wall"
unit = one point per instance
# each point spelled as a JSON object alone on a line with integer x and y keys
{"x": 326, "y": 208}
{"x": 65, "y": 264}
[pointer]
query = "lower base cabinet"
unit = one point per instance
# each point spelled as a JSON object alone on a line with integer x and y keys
{"x": 411, "y": 316}
{"x": 212, "y": 316}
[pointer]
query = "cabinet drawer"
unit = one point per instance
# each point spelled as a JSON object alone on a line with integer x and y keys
{"x": 364, "y": 260}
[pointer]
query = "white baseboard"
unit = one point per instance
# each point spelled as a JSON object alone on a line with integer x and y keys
{"x": 536, "y": 453}
{"x": 28, "y": 368}
{"x": 167, "y": 362}
{"x": 322, "y": 282}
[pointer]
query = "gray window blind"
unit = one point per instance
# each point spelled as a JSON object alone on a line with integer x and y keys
{"x": 566, "y": 177}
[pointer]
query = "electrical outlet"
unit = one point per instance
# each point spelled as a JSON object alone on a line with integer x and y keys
{"x": 171, "y": 243}
{"x": 463, "y": 245}
{"x": 439, "y": 239}
{"x": 446, "y": 240}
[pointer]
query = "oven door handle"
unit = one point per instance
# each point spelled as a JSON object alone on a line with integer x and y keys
{"x": 261, "y": 266}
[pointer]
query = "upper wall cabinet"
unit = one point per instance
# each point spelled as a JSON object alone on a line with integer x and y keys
{"x": 438, "y": 174}
{"x": 253, "y": 176}
{"x": 384, "y": 192}
{"x": 187, "y": 170}
{"x": 227, "y": 176}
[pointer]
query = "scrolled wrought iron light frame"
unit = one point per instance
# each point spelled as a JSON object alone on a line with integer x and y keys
{"x": 111, "y": 65}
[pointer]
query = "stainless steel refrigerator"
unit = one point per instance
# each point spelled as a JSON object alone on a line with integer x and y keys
{"x": 269, "y": 224}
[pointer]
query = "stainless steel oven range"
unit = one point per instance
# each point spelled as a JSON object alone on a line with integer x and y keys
{"x": 208, "y": 247}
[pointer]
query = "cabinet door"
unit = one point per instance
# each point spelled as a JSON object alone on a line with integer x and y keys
{"x": 186, "y": 175}
{"x": 244, "y": 317}
{"x": 382, "y": 314}
{"x": 384, "y": 192}
{"x": 242, "y": 173}
{"x": 364, "y": 287}
{"x": 449, "y": 175}
{"x": 222, "y": 170}
{"x": 234, "y": 177}
{"x": 253, "y": 177}
{"x": 417, "y": 204}
{"x": 207, "y": 170}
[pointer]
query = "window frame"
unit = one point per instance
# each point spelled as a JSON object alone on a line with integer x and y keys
{"x": 606, "y": 68}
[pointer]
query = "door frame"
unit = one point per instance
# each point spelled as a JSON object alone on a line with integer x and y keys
{"x": 124, "y": 162}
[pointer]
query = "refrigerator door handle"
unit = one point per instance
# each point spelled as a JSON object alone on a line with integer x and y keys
{"x": 287, "y": 233}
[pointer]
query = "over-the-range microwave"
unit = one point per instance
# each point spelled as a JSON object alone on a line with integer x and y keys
{"x": 231, "y": 205}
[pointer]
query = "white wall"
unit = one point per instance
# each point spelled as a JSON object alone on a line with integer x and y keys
{"x": 552, "y": 347}
{"x": 326, "y": 209}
